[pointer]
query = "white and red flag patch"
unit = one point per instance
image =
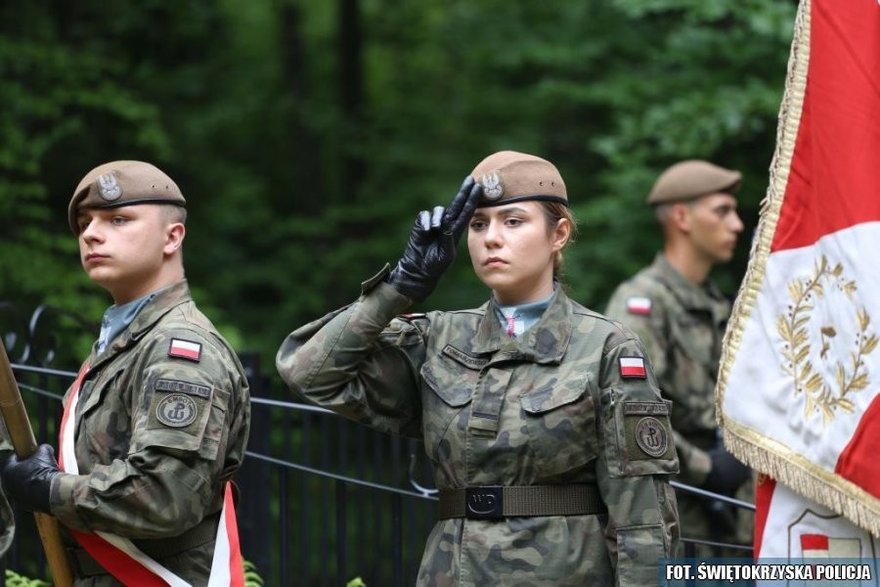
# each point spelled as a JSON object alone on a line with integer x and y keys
{"x": 632, "y": 367}
{"x": 799, "y": 381}
{"x": 638, "y": 305}
{"x": 185, "y": 349}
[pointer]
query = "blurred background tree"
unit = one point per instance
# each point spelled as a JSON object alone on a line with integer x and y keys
{"x": 307, "y": 134}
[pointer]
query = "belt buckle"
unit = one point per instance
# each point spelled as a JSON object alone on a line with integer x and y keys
{"x": 484, "y": 503}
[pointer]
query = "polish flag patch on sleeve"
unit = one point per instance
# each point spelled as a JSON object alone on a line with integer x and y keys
{"x": 638, "y": 305}
{"x": 185, "y": 349}
{"x": 632, "y": 367}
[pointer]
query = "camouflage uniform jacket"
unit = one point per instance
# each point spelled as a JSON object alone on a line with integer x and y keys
{"x": 148, "y": 470}
{"x": 547, "y": 408}
{"x": 681, "y": 327}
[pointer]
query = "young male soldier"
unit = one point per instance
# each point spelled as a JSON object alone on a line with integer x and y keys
{"x": 157, "y": 421}
{"x": 680, "y": 316}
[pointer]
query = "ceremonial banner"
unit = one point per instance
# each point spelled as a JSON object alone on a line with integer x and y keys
{"x": 799, "y": 385}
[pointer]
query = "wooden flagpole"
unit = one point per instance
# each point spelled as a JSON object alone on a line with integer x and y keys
{"x": 22, "y": 436}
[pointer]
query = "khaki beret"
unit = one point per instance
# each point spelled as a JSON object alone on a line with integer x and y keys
{"x": 692, "y": 179}
{"x": 123, "y": 183}
{"x": 508, "y": 176}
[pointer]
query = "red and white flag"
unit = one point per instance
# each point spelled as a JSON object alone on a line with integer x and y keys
{"x": 799, "y": 385}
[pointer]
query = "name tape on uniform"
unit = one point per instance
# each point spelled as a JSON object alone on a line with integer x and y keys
{"x": 177, "y": 386}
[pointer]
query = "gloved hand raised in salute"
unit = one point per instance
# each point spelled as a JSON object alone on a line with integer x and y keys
{"x": 432, "y": 242}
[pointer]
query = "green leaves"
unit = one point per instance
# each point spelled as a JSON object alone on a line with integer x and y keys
{"x": 296, "y": 195}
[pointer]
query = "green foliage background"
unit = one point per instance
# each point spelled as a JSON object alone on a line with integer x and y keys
{"x": 306, "y": 134}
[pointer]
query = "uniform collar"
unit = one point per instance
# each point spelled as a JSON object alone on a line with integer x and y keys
{"x": 545, "y": 342}
{"x": 164, "y": 301}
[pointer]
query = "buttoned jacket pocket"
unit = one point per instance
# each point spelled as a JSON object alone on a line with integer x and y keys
{"x": 448, "y": 387}
{"x": 561, "y": 422}
{"x": 103, "y": 428}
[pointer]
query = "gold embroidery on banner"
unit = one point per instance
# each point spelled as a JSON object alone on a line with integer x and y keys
{"x": 849, "y": 376}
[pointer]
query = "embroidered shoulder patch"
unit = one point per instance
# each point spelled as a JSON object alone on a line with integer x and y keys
{"x": 177, "y": 410}
{"x": 632, "y": 367}
{"x": 185, "y": 349}
{"x": 651, "y": 437}
{"x": 638, "y": 305}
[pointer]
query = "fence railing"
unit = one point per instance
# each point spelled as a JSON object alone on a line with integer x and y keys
{"x": 322, "y": 499}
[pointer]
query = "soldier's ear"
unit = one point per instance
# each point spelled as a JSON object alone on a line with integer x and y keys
{"x": 561, "y": 233}
{"x": 174, "y": 234}
{"x": 680, "y": 216}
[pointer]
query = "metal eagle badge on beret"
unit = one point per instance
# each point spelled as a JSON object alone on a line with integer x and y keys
{"x": 108, "y": 187}
{"x": 492, "y": 188}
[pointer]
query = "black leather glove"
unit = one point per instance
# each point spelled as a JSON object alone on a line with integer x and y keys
{"x": 727, "y": 473}
{"x": 431, "y": 247}
{"x": 29, "y": 480}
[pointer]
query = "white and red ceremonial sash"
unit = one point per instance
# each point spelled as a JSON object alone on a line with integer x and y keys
{"x": 800, "y": 372}
{"x": 125, "y": 561}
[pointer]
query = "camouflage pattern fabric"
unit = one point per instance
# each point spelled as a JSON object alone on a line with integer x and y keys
{"x": 550, "y": 407}
{"x": 7, "y": 524}
{"x": 7, "y": 519}
{"x": 158, "y": 435}
{"x": 681, "y": 326}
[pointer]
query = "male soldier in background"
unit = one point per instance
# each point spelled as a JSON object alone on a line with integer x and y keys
{"x": 680, "y": 317}
{"x": 157, "y": 421}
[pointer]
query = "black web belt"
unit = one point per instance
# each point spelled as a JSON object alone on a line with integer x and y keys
{"x": 492, "y": 502}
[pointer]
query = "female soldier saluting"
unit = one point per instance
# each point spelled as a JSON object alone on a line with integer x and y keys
{"x": 549, "y": 441}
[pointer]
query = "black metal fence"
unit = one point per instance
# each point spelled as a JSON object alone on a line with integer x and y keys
{"x": 323, "y": 500}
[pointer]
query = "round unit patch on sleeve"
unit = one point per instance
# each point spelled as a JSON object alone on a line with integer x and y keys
{"x": 651, "y": 437}
{"x": 177, "y": 410}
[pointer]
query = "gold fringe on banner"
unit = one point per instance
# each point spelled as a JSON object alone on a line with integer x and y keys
{"x": 757, "y": 450}
{"x": 804, "y": 477}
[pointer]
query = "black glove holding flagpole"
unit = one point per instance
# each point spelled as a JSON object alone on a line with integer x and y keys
{"x": 29, "y": 480}
{"x": 18, "y": 427}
